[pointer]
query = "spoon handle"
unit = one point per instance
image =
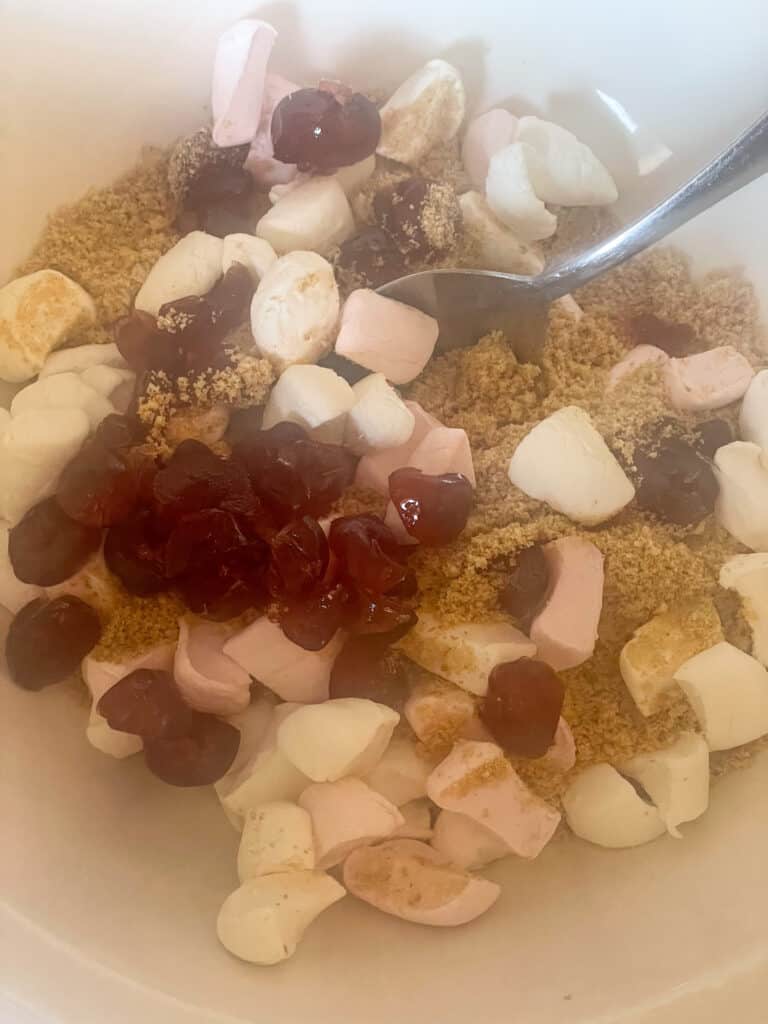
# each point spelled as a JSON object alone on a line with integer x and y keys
{"x": 741, "y": 163}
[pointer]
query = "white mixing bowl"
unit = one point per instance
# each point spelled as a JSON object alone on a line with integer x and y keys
{"x": 111, "y": 881}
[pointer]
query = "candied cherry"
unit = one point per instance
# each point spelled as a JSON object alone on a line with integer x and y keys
{"x": 147, "y": 703}
{"x": 711, "y": 435}
{"x": 370, "y": 259}
{"x": 200, "y": 537}
{"x": 423, "y": 218}
{"x": 313, "y": 621}
{"x": 369, "y": 552}
{"x": 46, "y": 547}
{"x": 200, "y": 758}
{"x": 523, "y": 706}
{"x": 117, "y": 432}
{"x": 381, "y": 613}
{"x": 433, "y": 509}
{"x": 677, "y": 484}
{"x": 98, "y": 488}
{"x": 299, "y": 558}
{"x": 133, "y": 553}
{"x": 195, "y": 478}
{"x": 321, "y": 131}
{"x": 364, "y": 668}
{"x": 224, "y": 587}
{"x": 524, "y": 594}
{"x": 230, "y": 298}
{"x": 47, "y": 640}
{"x": 673, "y": 338}
{"x": 143, "y": 345}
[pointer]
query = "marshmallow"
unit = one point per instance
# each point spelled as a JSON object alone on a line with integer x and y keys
{"x": 464, "y": 654}
{"x": 100, "y": 676}
{"x": 208, "y": 426}
{"x": 492, "y": 245}
{"x": 417, "y": 821}
{"x": 38, "y": 313}
{"x": 14, "y": 594}
{"x": 316, "y": 215}
{"x": 5, "y": 420}
{"x": 707, "y": 380}
{"x": 386, "y": 336}
{"x": 239, "y": 71}
{"x": 741, "y": 469}
{"x": 315, "y": 397}
{"x": 341, "y": 737}
{"x": 208, "y": 679}
{"x": 649, "y": 661}
{"x": 354, "y": 176}
{"x": 402, "y": 772}
{"x": 93, "y": 583}
{"x": 748, "y": 576}
{"x": 564, "y": 462}
{"x": 640, "y": 356}
{"x": 255, "y": 254}
{"x": 466, "y": 843}
{"x": 295, "y": 310}
{"x": 603, "y": 808}
{"x": 379, "y": 419}
{"x": 84, "y": 357}
{"x": 260, "y": 162}
{"x": 375, "y": 468}
{"x": 485, "y": 136}
{"x": 412, "y": 881}
{"x": 728, "y": 691}
{"x": 294, "y": 674}
{"x": 570, "y": 307}
{"x": 117, "y": 386}
{"x": 346, "y": 815}
{"x": 561, "y": 756}
{"x": 34, "y": 450}
{"x": 476, "y": 780}
{"x": 264, "y": 920}
{"x": 426, "y": 110}
{"x": 107, "y": 740}
{"x": 676, "y": 779}
{"x": 253, "y": 725}
{"x": 565, "y": 630}
{"x": 753, "y": 420}
{"x": 511, "y": 196}
{"x": 62, "y": 391}
{"x": 276, "y": 837}
{"x": 563, "y": 170}
{"x": 191, "y": 267}
{"x": 440, "y": 713}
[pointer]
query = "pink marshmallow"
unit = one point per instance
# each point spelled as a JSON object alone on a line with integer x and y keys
{"x": 208, "y": 679}
{"x": 565, "y": 630}
{"x": 345, "y": 815}
{"x": 465, "y": 843}
{"x": 561, "y": 756}
{"x": 100, "y": 676}
{"x": 708, "y": 380}
{"x": 642, "y": 355}
{"x": 374, "y": 469}
{"x": 476, "y": 780}
{"x": 264, "y": 169}
{"x": 441, "y": 709}
{"x": 386, "y": 336}
{"x": 239, "y": 73}
{"x": 485, "y": 136}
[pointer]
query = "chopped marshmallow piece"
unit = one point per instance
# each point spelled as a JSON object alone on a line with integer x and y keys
{"x": 561, "y": 756}
{"x": 565, "y": 462}
{"x": 38, "y": 313}
{"x": 478, "y": 781}
{"x": 208, "y": 679}
{"x": 14, "y": 593}
{"x": 276, "y": 837}
{"x": 417, "y": 821}
{"x": 315, "y": 216}
{"x": 511, "y": 196}
{"x": 485, "y": 136}
{"x": 117, "y": 386}
{"x": 379, "y": 419}
{"x": 264, "y": 920}
{"x": 728, "y": 691}
{"x": 753, "y": 419}
{"x": 640, "y": 357}
{"x": 239, "y": 72}
{"x": 676, "y": 779}
{"x": 707, "y": 380}
{"x": 401, "y": 773}
{"x": 255, "y": 254}
{"x": 748, "y": 576}
{"x": 354, "y": 176}
{"x": 603, "y": 808}
{"x": 386, "y": 336}
{"x": 260, "y": 162}
{"x": 439, "y": 712}
{"x": 565, "y": 630}
{"x": 568, "y": 305}
{"x": 107, "y": 740}
{"x": 375, "y": 468}
{"x": 83, "y": 357}
{"x": 741, "y": 469}
{"x": 649, "y": 661}
{"x": 346, "y": 815}
{"x": 413, "y": 881}
{"x": 426, "y": 110}
{"x": 266, "y": 653}
{"x": 464, "y": 654}
{"x": 100, "y": 676}
{"x": 34, "y": 449}
{"x": 62, "y": 391}
{"x": 191, "y": 267}
{"x": 341, "y": 737}
{"x": 563, "y": 170}
{"x": 295, "y": 310}
{"x": 492, "y": 245}
{"x": 252, "y": 724}
{"x": 315, "y": 397}
{"x": 465, "y": 842}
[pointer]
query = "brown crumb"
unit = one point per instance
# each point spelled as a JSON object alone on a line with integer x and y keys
{"x": 137, "y": 623}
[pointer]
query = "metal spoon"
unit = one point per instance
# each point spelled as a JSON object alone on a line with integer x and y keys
{"x": 469, "y": 303}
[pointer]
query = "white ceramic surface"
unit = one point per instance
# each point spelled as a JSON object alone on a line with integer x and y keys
{"x": 109, "y": 881}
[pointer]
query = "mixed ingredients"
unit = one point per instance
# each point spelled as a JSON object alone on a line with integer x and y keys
{"x": 408, "y": 613}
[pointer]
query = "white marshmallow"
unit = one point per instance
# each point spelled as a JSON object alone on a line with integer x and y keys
{"x": 640, "y": 356}
{"x": 100, "y": 676}
{"x": 208, "y": 679}
{"x": 568, "y": 305}
{"x": 511, "y": 196}
{"x": 315, "y": 215}
{"x": 264, "y": 920}
{"x": 492, "y": 245}
{"x": 62, "y": 391}
{"x": 379, "y": 419}
{"x": 84, "y": 357}
{"x": 676, "y": 779}
{"x": 252, "y": 724}
{"x": 191, "y": 267}
{"x": 728, "y": 691}
{"x": 255, "y": 254}
{"x": 107, "y": 740}
{"x": 412, "y": 881}
{"x": 417, "y": 821}
{"x": 14, "y": 594}
{"x": 239, "y": 72}
{"x": 354, "y": 176}
{"x": 564, "y": 462}
{"x": 562, "y": 169}
{"x": 315, "y": 397}
{"x": 276, "y": 837}
{"x": 464, "y": 654}
{"x": 375, "y": 468}
{"x": 402, "y": 772}
{"x": 603, "y": 808}
{"x": 748, "y": 576}
{"x": 424, "y": 111}
{"x": 38, "y": 313}
{"x": 753, "y": 420}
{"x": 438, "y": 711}
{"x": 346, "y": 815}
{"x": 485, "y": 136}
{"x": 338, "y": 738}
{"x": 707, "y": 380}
{"x": 741, "y": 469}
{"x": 466, "y": 843}
{"x": 34, "y": 450}
{"x": 295, "y": 310}
{"x": 115, "y": 385}
{"x": 266, "y": 653}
